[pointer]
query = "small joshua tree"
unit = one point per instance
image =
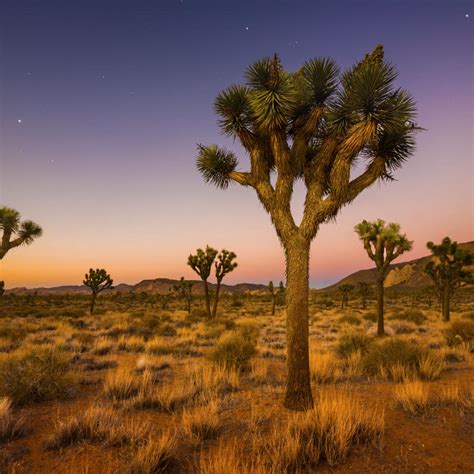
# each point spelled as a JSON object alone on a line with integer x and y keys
{"x": 447, "y": 269}
{"x": 224, "y": 265}
{"x": 97, "y": 280}
{"x": 383, "y": 244}
{"x": 184, "y": 291}
{"x": 363, "y": 290}
{"x": 15, "y": 231}
{"x": 2, "y": 288}
{"x": 273, "y": 293}
{"x": 345, "y": 290}
{"x": 201, "y": 263}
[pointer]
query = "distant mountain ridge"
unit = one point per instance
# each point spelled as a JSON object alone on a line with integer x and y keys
{"x": 153, "y": 286}
{"x": 402, "y": 275}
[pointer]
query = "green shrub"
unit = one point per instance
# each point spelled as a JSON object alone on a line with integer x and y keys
{"x": 384, "y": 355}
{"x": 459, "y": 331}
{"x": 233, "y": 350}
{"x": 350, "y": 319}
{"x": 35, "y": 375}
{"x": 412, "y": 315}
{"x": 352, "y": 342}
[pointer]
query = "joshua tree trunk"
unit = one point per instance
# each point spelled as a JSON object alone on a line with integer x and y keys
{"x": 364, "y": 302}
{"x": 214, "y": 309}
{"x": 189, "y": 305}
{"x": 446, "y": 302}
{"x": 273, "y": 304}
{"x": 208, "y": 303}
{"x": 91, "y": 310}
{"x": 380, "y": 322}
{"x": 298, "y": 388}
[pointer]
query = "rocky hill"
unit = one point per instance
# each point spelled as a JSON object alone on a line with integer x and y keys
{"x": 402, "y": 275}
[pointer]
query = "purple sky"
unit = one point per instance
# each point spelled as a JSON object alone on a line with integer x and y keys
{"x": 113, "y": 97}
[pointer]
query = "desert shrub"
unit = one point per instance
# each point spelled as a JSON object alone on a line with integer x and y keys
{"x": 468, "y": 315}
{"x": 383, "y": 356}
{"x": 350, "y": 319}
{"x": 370, "y": 316}
{"x": 37, "y": 374}
{"x": 460, "y": 331}
{"x": 412, "y": 315}
{"x": 201, "y": 423}
{"x": 155, "y": 456}
{"x": 233, "y": 350}
{"x": 166, "y": 330}
{"x": 352, "y": 342}
{"x": 12, "y": 426}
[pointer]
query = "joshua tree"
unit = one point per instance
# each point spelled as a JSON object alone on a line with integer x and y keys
{"x": 313, "y": 125}
{"x": 447, "y": 269}
{"x": 224, "y": 265}
{"x": 363, "y": 290}
{"x": 281, "y": 293}
{"x": 345, "y": 290}
{"x": 383, "y": 244}
{"x": 201, "y": 263}
{"x": 184, "y": 290}
{"x": 15, "y": 231}
{"x": 2, "y": 288}
{"x": 97, "y": 280}
{"x": 273, "y": 293}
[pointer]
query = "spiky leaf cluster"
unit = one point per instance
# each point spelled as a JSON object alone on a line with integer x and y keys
{"x": 382, "y": 242}
{"x": 315, "y": 123}
{"x": 448, "y": 264}
{"x": 15, "y": 231}
{"x": 98, "y": 280}
{"x": 202, "y": 261}
{"x": 225, "y": 264}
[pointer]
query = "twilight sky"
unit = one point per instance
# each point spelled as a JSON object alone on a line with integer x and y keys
{"x": 103, "y": 102}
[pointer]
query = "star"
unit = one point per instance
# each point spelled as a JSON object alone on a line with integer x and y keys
{"x": 19, "y": 121}
{"x": 467, "y": 15}
{"x": 247, "y": 28}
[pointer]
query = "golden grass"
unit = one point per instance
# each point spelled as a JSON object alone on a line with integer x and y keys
{"x": 12, "y": 426}
{"x": 201, "y": 423}
{"x": 157, "y": 455}
{"x": 413, "y": 397}
{"x": 121, "y": 384}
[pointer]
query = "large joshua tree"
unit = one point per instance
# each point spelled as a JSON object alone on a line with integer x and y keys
{"x": 383, "y": 244}
{"x": 15, "y": 231}
{"x": 97, "y": 280}
{"x": 313, "y": 125}
{"x": 447, "y": 269}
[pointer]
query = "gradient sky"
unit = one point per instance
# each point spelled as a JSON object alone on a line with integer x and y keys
{"x": 114, "y": 95}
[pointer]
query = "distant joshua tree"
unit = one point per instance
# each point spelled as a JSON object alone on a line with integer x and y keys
{"x": 184, "y": 290}
{"x": 313, "y": 126}
{"x": 383, "y": 244}
{"x": 97, "y": 280}
{"x": 273, "y": 293}
{"x": 345, "y": 289}
{"x": 447, "y": 269}
{"x": 224, "y": 265}
{"x": 363, "y": 291}
{"x": 15, "y": 231}
{"x": 201, "y": 263}
{"x": 2, "y": 288}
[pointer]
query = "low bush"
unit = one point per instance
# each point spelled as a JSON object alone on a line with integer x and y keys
{"x": 233, "y": 350}
{"x": 459, "y": 332}
{"x": 352, "y": 342}
{"x": 412, "y": 315}
{"x": 350, "y": 319}
{"x": 37, "y": 374}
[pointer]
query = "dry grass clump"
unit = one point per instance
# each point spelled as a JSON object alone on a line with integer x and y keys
{"x": 327, "y": 432}
{"x": 457, "y": 396}
{"x": 157, "y": 455}
{"x": 324, "y": 367}
{"x": 213, "y": 380}
{"x": 412, "y": 315}
{"x": 353, "y": 342}
{"x": 350, "y": 319}
{"x": 155, "y": 365}
{"x": 37, "y": 374}
{"x": 460, "y": 331}
{"x": 102, "y": 346}
{"x": 121, "y": 384}
{"x": 159, "y": 346}
{"x": 259, "y": 371}
{"x": 399, "y": 360}
{"x": 97, "y": 425}
{"x": 11, "y": 426}
{"x": 201, "y": 423}
{"x": 131, "y": 344}
{"x": 413, "y": 397}
{"x": 233, "y": 350}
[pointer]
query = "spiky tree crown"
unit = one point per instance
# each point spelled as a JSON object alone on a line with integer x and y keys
{"x": 225, "y": 264}
{"x": 202, "y": 261}
{"x": 382, "y": 242}
{"x": 345, "y": 288}
{"x": 447, "y": 266}
{"x": 98, "y": 280}
{"x": 183, "y": 287}
{"x": 313, "y": 124}
{"x": 15, "y": 231}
